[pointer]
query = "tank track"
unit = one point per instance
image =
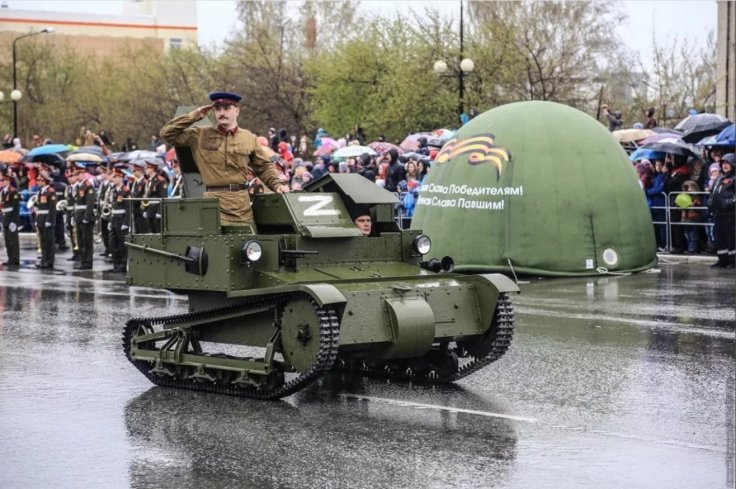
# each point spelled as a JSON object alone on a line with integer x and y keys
{"x": 418, "y": 373}
{"x": 329, "y": 343}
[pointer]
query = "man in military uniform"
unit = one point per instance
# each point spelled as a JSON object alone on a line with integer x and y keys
{"x": 155, "y": 191}
{"x": 11, "y": 219}
{"x": 84, "y": 216}
{"x": 70, "y": 195}
{"x": 120, "y": 220}
{"x": 177, "y": 186}
{"x": 223, "y": 154}
{"x": 104, "y": 198}
{"x": 138, "y": 191}
{"x": 46, "y": 219}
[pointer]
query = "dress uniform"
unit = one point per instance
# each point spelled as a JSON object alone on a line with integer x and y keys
{"x": 223, "y": 155}
{"x": 70, "y": 194}
{"x": 155, "y": 191}
{"x": 11, "y": 219}
{"x": 46, "y": 221}
{"x": 119, "y": 220}
{"x": 104, "y": 199}
{"x": 177, "y": 186}
{"x": 84, "y": 217}
{"x": 138, "y": 191}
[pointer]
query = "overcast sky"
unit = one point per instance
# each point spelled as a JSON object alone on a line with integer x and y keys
{"x": 686, "y": 19}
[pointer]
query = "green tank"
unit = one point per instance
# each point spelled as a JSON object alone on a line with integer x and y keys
{"x": 271, "y": 312}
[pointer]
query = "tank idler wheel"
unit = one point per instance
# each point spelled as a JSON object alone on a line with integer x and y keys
{"x": 300, "y": 334}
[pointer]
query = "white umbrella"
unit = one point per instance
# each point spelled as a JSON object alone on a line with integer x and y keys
{"x": 353, "y": 151}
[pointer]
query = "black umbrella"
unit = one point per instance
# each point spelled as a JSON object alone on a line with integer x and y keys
{"x": 694, "y": 122}
{"x": 54, "y": 159}
{"x": 671, "y": 147}
{"x": 704, "y": 129}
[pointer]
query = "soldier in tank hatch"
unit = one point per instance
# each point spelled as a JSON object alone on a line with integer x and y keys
{"x": 223, "y": 155}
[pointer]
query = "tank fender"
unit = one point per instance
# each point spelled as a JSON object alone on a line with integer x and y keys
{"x": 501, "y": 282}
{"x": 325, "y": 295}
{"x": 488, "y": 288}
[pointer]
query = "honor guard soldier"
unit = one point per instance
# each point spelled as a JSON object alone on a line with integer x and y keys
{"x": 119, "y": 219}
{"x": 84, "y": 216}
{"x": 223, "y": 155}
{"x": 46, "y": 220}
{"x": 70, "y": 195}
{"x": 155, "y": 191}
{"x": 138, "y": 191}
{"x": 177, "y": 187}
{"x": 11, "y": 219}
{"x": 104, "y": 201}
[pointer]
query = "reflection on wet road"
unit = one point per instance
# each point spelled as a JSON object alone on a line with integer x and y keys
{"x": 611, "y": 382}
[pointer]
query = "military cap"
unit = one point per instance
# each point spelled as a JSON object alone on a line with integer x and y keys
{"x": 80, "y": 165}
{"x": 139, "y": 163}
{"x": 225, "y": 98}
{"x": 41, "y": 176}
{"x": 154, "y": 162}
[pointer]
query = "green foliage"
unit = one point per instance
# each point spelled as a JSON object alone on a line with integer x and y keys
{"x": 320, "y": 64}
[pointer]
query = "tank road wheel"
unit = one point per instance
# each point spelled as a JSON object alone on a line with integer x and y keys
{"x": 300, "y": 334}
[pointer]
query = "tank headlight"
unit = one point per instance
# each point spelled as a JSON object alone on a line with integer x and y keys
{"x": 422, "y": 244}
{"x": 252, "y": 251}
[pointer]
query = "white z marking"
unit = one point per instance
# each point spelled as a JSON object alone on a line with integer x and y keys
{"x": 317, "y": 209}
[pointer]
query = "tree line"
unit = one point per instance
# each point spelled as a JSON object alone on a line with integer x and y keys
{"x": 304, "y": 65}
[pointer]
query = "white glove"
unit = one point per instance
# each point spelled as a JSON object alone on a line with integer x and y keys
{"x": 85, "y": 221}
{"x": 124, "y": 227}
{"x": 47, "y": 224}
{"x": 109, "y": 226}
{"x": 145, "y": 214}
{"x": 13, "y": 227}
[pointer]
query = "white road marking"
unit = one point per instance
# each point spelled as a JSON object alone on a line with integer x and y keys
{"x": 438, "y": 408}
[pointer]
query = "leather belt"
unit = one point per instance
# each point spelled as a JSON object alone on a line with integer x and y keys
{"x": 233, "y": 187}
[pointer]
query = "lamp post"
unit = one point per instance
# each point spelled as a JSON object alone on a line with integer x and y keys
{"x": 16, "y": 95}
{"x": 466, "y": 66}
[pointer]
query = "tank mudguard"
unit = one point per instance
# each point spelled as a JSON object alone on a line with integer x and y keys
{"x": 500, "y": 281}
{"x": 323, "y": 294}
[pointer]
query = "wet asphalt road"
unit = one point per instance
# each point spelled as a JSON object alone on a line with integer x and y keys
{"x": 611, "y": 382}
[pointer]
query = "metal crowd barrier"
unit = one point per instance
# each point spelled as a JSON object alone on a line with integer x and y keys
{"x": 668, "y": 208}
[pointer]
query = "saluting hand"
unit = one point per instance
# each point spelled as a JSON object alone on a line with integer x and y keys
{"x": 205, "y": 109}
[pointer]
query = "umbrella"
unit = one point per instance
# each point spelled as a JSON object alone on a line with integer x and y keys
{"x": 138, "y": 154}
{"x": 646, "y": 154}
{"x": 727, "y": 137}
{"x": 631, "y": 135}
{"x": 412, "y": 155}
{"x": 411, "y": 142}
{"x": 97, "y": 150}
{"x": 54, "y": 159}
{"x": 382, "y": 147}
{"x": 671, "y": 146}
{"x": 353, "y": 151}
{"x": 89, "y": 157}
{"x": 706, "y": 129}
{"x": 48, "y": 149}
{"x": 659, "y": 136}
{"x": 693, "y": 122}
{"x": 10, "y": 156}
{"x": 707, "y": 141}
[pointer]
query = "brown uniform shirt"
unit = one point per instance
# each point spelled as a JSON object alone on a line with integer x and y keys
{"x": 223, "y": 159}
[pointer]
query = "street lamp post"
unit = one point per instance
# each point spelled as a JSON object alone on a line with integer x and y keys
{"x": 16, "y": 95}
{"x": 466, "y": 66}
